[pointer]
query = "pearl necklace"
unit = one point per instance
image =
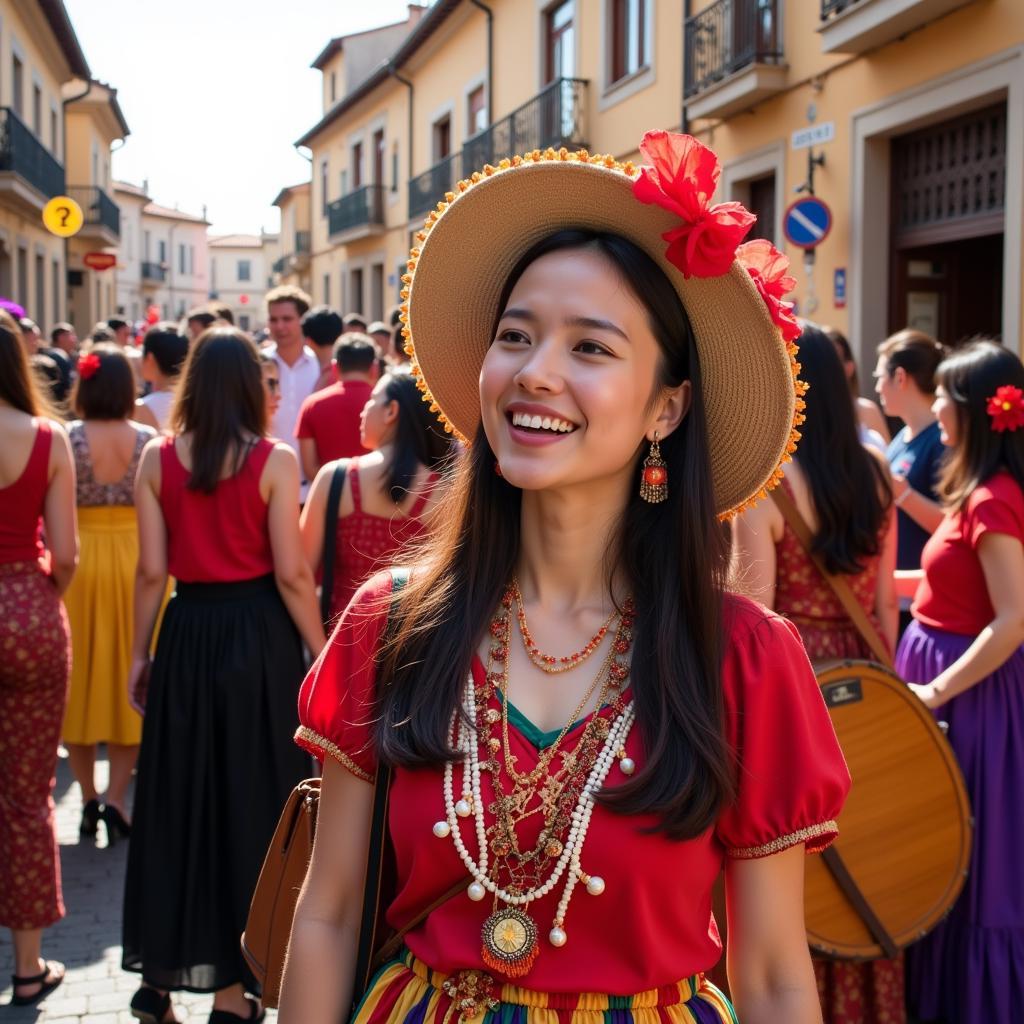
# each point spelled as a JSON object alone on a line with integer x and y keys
{"x": 472, "y": 803}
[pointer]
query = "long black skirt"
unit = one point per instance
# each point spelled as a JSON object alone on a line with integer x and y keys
{"x": 216, "y": 766}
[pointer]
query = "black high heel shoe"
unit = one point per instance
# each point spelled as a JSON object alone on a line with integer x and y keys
{"x": 90, "y": 818}
{"x": 150, "y": 1006}
{"x": 117, "y": 827}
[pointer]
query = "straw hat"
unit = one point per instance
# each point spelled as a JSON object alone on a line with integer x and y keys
{"x": 743, "y": 330}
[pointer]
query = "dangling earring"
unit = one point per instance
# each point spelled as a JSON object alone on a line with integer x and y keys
{"x": 654, "y": 477}
{"x": 497, "y": 469}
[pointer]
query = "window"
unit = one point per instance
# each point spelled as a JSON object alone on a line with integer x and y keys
{"x": 21, "y": 285}
{"x": 40, "y": 309}
{"x": 629, "y": 37}
{"x": 327, "y": 289}
{"x": 244, "y": 270}
{"x": 161, "y": 251}
{"x": 561, "y": 41}
{"x": 323, "y": 185}
{"x": 762, "y": 205}
{"x": 182, "y": 265}
{"x": 37, "y": 111}
{"x": 357, "y": 165}
{"x": 17, "y": 87}
{"x": 191, "y": 259}
{"x": 394, "y": 167}
{"x": 53, "y": 132}
{"x": 377, "y": 291}
{"x": 334, "y": 86}
{"x": 476, "y": 111}
{"x": 378, "y": 157}
{"x": 55, "y": 286}
{"x": 357, "y": 292}
{"x": 443, "y": 138}
{"x": 343, "y": 182}
{"x": 243, "y": 321}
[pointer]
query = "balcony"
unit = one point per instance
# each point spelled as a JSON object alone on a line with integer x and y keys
{"x": 153, "y": 273}
{"x": 853, "y": 26}
{"x": 356, "y": 215}
{"x": 733, "y": 57}
{"x": 428, "y": 189}
{"x": 102, "y": 215}
{"x": 555, "y": 117}
{"x": 29, "y": 174}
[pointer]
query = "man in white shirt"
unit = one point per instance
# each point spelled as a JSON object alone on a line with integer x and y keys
{"x": 297, "y": 364}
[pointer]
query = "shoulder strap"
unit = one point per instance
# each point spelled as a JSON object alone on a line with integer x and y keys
{"x": 785, "y": 504}
{"x": 330, "y": 538}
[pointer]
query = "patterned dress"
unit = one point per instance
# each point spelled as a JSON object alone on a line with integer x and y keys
{"x": 851, "y": 993}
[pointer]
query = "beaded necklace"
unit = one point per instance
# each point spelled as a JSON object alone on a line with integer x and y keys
{"x": 565, "y": 797}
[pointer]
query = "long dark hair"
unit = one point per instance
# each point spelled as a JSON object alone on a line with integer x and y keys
{"x": 420, "y": 438}
{"x": 19, "y": 387}
{"x": 220, "y": 404}
{"x": 849, "y": 487}
{"x": 970, "y": 376}
{"x": 672, "y": 556}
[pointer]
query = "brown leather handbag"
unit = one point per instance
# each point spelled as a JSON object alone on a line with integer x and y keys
{"x": 905, "y": 833}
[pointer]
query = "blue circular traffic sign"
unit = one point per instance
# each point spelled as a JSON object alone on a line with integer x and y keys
{"x": 807, "y": 222}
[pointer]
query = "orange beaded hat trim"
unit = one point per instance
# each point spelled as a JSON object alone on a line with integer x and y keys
{"x": 732, "y": 293}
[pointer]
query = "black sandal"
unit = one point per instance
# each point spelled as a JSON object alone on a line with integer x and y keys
{"x": 256, "y": 1014}
{"x": 149, "y": 1006}
{"x": 53, "y": 968}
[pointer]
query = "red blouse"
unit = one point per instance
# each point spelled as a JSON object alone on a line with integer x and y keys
{"x": 21, "y": 503}
{"x": 221, "y": 537}
{"x": 953, "y": 595}
{"x": 653, "y": 924}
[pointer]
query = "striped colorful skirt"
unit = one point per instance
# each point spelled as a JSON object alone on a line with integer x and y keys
{"x": 406, "y": 991}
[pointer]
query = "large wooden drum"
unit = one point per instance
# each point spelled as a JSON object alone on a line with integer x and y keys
{"x": 905, "y": 832}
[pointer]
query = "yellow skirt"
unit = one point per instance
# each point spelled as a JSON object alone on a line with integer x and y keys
{"x": 99, "y": 604}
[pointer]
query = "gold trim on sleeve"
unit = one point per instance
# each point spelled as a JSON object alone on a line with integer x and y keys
{"x": 308, "y": 738}
{"x": 785, "y": 842}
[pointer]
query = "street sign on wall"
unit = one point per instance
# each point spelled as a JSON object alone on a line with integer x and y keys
{"x": 813, "y": 135}
{"x": 100, "y": 260}
{"x": 807, "y": 222}
{"x": 63, "y": 217}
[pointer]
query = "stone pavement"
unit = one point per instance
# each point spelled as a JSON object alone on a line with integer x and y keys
{"x": 88, "y": 940}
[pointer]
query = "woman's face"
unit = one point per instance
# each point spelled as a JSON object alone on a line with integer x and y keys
{"x": 566, "y": 387}
{"x": 887, "y": 389}
{"x": 945, "y": 412}
{"x": 378, "y": 418}
{"x": 271, "y": 388}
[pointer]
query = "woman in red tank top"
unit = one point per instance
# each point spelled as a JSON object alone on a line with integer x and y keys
{"x": 37, "y": 494}
{"x": 385, "y": 493}
{"x": 217, "y": 505}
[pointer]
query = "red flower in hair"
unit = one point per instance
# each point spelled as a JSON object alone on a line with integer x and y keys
{"x": 88, "y": 365}
{"x": 681, "y": 178}
{"x": 769, "y": 269}
{"x": 1006, "y": 407}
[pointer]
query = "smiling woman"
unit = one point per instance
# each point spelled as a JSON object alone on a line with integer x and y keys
{"x": 587, "y": 360}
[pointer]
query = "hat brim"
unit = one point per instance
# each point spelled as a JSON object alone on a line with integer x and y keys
{"x": 471, "y": 247}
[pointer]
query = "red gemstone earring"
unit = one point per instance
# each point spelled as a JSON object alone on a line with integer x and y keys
{"x": 654, "y": 477}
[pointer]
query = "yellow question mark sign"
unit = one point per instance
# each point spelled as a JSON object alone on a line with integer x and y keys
{"x": 62, "y": 216}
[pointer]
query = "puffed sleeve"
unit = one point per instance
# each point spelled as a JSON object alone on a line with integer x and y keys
{"x": 337, "y": 697}
{"x": 997, "y": 506}
{"x": 791, "y": 777}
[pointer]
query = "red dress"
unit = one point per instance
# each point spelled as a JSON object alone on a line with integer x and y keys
{"x": 851, "y": 993}
{"x": 791, "y": 777}
{"x": 366, "y": 543}
{"x": 35, "y": 660}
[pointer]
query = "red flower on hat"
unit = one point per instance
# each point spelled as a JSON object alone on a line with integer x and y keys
{"x": 769, "y": 269}
{"x": 1006, "y": 407}
{"x": 681, "y": 178}
{"x": 88, "y": 365}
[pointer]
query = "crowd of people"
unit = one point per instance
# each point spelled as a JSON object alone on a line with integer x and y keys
{"x": 169, "y": 507}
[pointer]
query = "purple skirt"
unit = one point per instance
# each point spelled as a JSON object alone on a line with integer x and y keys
{"x": 970, "y": 969}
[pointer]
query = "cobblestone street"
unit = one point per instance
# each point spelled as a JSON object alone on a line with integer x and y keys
{"x": 88, "y": 940}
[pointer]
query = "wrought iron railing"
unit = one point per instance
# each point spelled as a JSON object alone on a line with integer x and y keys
{"x": 153, "y": 271}
{"x": 363, "y": 206}
{"x": 556, "y": 116}
{"x": 22, "y": 153}
{"x": 833, "y": 7}
{"x": 98, "y": 207}
{"x": 429, "y": 188}
{"x": 728, "y": 36}
{"x": 278, "y": 267}
{"x": 302, "y": 241}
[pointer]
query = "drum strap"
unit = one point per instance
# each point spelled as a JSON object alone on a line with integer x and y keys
{"x": 785, "y": 504}
{"x": 834, "y": 862}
